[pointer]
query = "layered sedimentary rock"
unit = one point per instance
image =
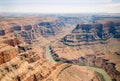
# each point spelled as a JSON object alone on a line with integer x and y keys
{"x": 29, "y": 63}
{"x": 100, "y": 61}
{"x": 91, "y": 34}
{"x": 12, "y": 42}
{"x": 7, "y": 53}
{"x": 108, "y": 62}
{"x": 23, "y": 58}
{"x": 29, "y": 31}
{"x": 29, "y": 23}
{"x": 50, "y": 28}
{"x": 92, "y": 45}
{"x": 43, "y": 70}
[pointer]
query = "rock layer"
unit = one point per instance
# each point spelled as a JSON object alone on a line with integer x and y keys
{"x": 7, "y": 53}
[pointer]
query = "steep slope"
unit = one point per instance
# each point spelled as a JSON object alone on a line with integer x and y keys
{"x": 94, "y": 45}
{"x": 22, "y": 52}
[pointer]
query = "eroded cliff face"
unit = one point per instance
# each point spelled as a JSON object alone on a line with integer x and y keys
{"x": 24, "y": 63}
{"x": 28, "y": 32}
{"x": 7, "y": 53}
{"x": 12, "y": 42}
{"x": 91, "y": 34}
{"x": 23, "y": 53}
{"x": 107, "y": 60}
{"x": 94, "y": 45}
{"x": 50, "y": 28}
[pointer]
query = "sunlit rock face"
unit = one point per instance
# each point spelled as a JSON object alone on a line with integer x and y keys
{"x": 12, "y": 42}
{"x": 91, "y": 33}
{"x": 7, "y": 53}
{"x": 24, "y": 55}
{"x": 23, "y": 63}
{"x": 95, "y": 44}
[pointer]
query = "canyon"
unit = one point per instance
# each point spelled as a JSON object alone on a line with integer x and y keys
{"x": 59, "y": 48}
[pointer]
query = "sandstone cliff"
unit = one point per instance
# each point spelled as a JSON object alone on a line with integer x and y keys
{"x": 7, "y": 53}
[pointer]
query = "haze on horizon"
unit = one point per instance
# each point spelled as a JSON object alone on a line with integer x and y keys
{"x": 60, "y": 6}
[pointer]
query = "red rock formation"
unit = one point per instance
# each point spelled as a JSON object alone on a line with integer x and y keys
{"x": 7, "y": 53}
{"x": 12, "y": 42}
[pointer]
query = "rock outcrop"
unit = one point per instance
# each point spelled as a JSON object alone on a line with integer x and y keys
{"x": 2, "y": 32}
{"x": 7, "y": 53}
{"x": 91, "y": 34}
{"x": 12, "y": 42}
{"x": 50, "y": 28}
{"x": 23, "y": 50}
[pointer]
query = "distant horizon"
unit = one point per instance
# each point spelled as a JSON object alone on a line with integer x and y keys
{"x": 61, "y": 12}
{"x": 59, "y": 6}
